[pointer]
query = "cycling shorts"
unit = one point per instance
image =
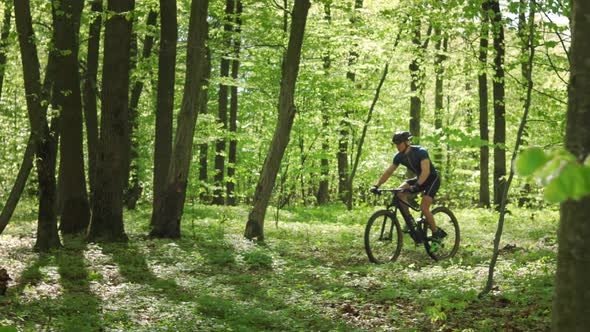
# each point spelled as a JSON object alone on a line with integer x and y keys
{"x": 428, "y": 188}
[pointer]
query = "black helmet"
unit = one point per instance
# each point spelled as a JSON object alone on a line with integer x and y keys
{"x": 401, "y": 136}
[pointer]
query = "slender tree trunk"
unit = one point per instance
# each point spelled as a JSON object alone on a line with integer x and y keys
{"x": 287, "y": 110}
{"x": 233, "y": 109}
{"x": 416, "y": 83}
{"x": 323, "y": 194}
{"x": 484, "y": 150}
{"x": 344, "y": 183}
{"x": 5, "y": 34}
{"x": 366, "y": 125}
{"x": 342, "y": 158}
{"x": 133, "y": 186}
{"x": 523, "y": 121}
{"x": 523, "y": 36}
{"x": 90, "y": 93}
{"x": 107, "y": 213}
{"x": 19, "y": 185}
{"x": 75, "y": 215}
{"x": 438, "y": 90}
{"x": 47, "y": 235}
{"x": 570, "y": 306}
{"x": 220, "y": 145}
{"x": 204, "y": 148}
{"x": 165, "y": 99}
{"x": 499, "y": 104}
{"x": 168, "y": 211}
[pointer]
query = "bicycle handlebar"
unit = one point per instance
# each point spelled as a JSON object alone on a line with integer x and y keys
{"x": 393, "y": 190}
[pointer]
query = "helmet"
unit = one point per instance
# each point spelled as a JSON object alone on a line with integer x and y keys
{"x": 401, "y": 136}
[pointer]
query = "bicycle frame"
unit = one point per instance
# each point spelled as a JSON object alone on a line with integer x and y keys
{"x": 383, "y": 232}
{"x": 406, "y": 215}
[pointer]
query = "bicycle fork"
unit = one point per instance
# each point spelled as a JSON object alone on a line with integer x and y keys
{"x": 386, "y": 235}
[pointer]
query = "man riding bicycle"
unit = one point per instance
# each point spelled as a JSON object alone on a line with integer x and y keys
{"x": 427, "y": 180}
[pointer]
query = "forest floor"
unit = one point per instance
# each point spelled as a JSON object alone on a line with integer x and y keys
{"x": 312, "y": 274}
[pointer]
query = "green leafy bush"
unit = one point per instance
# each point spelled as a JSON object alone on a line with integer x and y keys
{"x": 258, "y": 259}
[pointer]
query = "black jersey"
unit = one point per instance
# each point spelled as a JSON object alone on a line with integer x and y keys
{"x": 412, "y": 160}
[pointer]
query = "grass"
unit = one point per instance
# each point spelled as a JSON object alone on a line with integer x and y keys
{"x": 311, "y": 275}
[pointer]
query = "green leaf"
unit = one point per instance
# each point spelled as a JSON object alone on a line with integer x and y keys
{"x": 550, "y": 44}
{"x": 554, "y": 192}
{"x": 530, "y": 160}
{"x": 8, "y": 329}
{"x": 572, "y": 182}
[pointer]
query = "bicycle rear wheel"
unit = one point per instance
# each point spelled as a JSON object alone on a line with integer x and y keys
{"x": 383, "y": 237}
{"x": 448, "y": 247}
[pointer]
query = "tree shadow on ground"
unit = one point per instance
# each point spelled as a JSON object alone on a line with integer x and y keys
{"x": 78, "y": 299}
{"x": 68, "y": 304}
{"x": 32, "y": 275}
{"x": 133, "y": 267}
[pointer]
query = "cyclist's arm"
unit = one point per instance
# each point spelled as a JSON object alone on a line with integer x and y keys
{"x": 425, "y": 166}
{"x": 386, "y": 174}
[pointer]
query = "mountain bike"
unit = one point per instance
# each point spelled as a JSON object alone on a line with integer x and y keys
{"x": 384, "y": 236}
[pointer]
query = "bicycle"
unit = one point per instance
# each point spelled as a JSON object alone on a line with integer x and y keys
{"x": 384, "y": 237}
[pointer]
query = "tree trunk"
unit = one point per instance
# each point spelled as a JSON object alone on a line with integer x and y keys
{"x": 90, "y": 93}
{"x": 342, "y": 158}
{"x": 570, "y": 306}
{"x": 416, "y": 83}
{"x": 75, "y": 215}
{"x": 133, "y": 187}
{"x": 168, "y": 211}
{"x": 344, "y": 183}
{"x": 438, "y": 90}
{"x": 220, "y": 145}
{"x": 107, "y": 212}
{"x": 233, "y": 109}
{"x": 484, "y": 150}
{"x": 165, "y": 99}
{"x": 4, "y": 41}
{"x": 204, "y": 147}
{"x": 290, "y": 69}
{"x": 524, "y": 197}
{"x": 19, "y": 185}
{"x": 359, "y": 149}
{"x": 499, "y": 104}
{"x": 323, "y": 193}
{"x": 521, "y": 128}
{"x": 47, "y": 235}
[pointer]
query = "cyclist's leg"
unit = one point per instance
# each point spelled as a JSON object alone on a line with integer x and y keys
{"x": 404, "y": 196}
{"x": 427, "y": 199}
{"x": 425, "y": 207}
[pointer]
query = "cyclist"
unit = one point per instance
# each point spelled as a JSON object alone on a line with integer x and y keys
{"x": 427, "y": 180}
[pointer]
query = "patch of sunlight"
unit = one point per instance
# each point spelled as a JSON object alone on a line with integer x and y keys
{"x": 47, "y": 288}
{"x": 239, "y": 242}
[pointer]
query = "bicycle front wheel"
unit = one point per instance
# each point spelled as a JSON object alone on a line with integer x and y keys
{"x": 447, "y": 247}
{"x": 383, "y": 237}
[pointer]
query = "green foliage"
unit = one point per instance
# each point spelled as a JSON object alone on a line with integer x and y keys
{"x": 8, "y": 329}
{"x": 258, "y": 259}
{"x": 531, "y": 160}
{"x": 563, "y": 176}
